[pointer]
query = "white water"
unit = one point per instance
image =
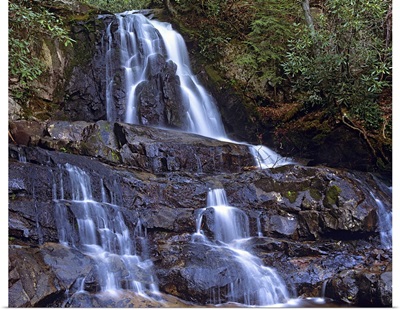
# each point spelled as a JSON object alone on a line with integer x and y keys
{"x": 98, "y": 229}
{"x": 257, "y": 285}
{"x": 385, "y": 223}
{"x": 384, "y": 208}
{"x": 267, "y": 158}
{"x": 140, "y": 38}
{"x": 203, "y": 114}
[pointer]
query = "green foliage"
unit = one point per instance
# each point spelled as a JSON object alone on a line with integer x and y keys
{"x": 118, "y": 6}
{"x": 346, "y": 62}
{"x": 26, "y": 24}
{"x": 254, "y": 33}
{"x": 21, "y": 62}
{"x": 266, "y": 43}
{"x": 211, "y": 45}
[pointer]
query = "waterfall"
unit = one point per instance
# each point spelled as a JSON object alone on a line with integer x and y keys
{"x": 384, "y": 222}
{"x": 141, "y": 38}
{"x": 377, "y": 191}
{"x": 203, "y": 114}
{"x": 257, "y": 285}
{"x": 267, "y": 158}
{"x": 98, "y": 229}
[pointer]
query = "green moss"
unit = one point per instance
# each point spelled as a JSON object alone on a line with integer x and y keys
{"x": 320, "y": 138}
{"x": 79, "y": 17}
{"x": 213, "y": 74}
{"x": 291, "y": 195}
{"x": 115, "y": 156}
{"x": 315, "y": 194}
{"x": 331, "y": 195}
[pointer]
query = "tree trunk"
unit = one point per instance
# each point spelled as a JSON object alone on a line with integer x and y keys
{"x": 307, "y": 13}
{"x": 169, "y": 7}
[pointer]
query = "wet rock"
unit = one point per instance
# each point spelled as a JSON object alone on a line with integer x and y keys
{"x": 149, "y": 149}
{"x": 366, "y": 288}
{"x": 67, "y": 131}
{"x": 309, "y": 224}
{"x": 160, "y": 101}
{"x": 306, "y": 254}
{"x": 283, "y": 225}
{"x": 385, "y": 289}
{"x": 40, "y": 276}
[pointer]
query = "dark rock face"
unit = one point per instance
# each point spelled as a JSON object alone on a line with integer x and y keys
{"x": 160, "y": 99}
{"x": 85, "y": 80}
{"x": 318, "y": 227}
{"x": 327, "y": 144}
{"x": 362, "y": 287}
{"x": 39, "y": 276}
{"x": 140, "y": 147}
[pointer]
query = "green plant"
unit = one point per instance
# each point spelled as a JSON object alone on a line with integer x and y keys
{"x": 345, "y": 63}
{"x": 266, "y": 43}
{"x": 118, "y": 6}
{"x": 27, "y": 22}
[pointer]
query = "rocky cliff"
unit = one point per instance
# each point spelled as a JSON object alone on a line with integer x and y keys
{"x": 319, "y": 227}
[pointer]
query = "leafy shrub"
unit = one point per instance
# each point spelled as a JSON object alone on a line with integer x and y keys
{"x": 118, "y": 6}
{"x": 271, "y": 28}
{"x": 344, "y": 64}
{"x": 27, "y": 22}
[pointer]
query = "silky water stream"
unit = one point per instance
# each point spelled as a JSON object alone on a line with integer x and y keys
{"x": 98, "y": 229}
{"x": 255, "y": 284}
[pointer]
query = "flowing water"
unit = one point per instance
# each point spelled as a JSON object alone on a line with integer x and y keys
{"x": 99, "y": 230}
{"x": 256, "y": 284}
{"x": 141, "y": 38}
{"x": 385, "y": 223}
{"x": 378, "y": 190}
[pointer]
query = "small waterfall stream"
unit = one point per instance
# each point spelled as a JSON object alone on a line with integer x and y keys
{"x": 385, "y": 223}
{"x": 257, "y": 285}
{"x": 377, "y": 191}
{"x": 99, "y": 230}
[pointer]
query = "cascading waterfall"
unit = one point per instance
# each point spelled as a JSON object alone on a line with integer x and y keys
{"x": 141, "y": 38}
{"x": 385, "y": 222}
{"x": 203, "y": 114}
{"x": 384, "y": 208}
{"x": 267, "y": 158}
{"x": 98, "y": 229}
{"x": 258, "y": 285}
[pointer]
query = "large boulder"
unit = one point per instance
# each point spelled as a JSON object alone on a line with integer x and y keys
{"x": 42, "y": 276}
{"x": 160, "y": 101}
{"x": 144, "y": 148}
